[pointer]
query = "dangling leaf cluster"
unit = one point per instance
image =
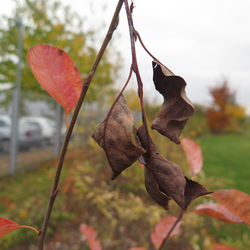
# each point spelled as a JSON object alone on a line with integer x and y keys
{"x": 164, "y": 180}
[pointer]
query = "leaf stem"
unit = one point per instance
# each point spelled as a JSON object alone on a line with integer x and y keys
{"x": 34, "y": 229}
{"x": 153, "y": 57}
{"x": 86, "y": 84}
{"x": 67, "y": 120}
{"x": 133, "y": 36}
{"x": 171, "y": 230}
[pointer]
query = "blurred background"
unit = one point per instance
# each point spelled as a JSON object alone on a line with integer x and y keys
{"x": 205, "y": 43}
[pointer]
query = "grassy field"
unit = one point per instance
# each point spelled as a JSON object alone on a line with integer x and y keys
{"x": 228, "y": 156}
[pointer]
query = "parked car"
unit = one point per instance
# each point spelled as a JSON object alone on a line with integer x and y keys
{"x": 47, "y": 127}
{"x": 28, "y": 134}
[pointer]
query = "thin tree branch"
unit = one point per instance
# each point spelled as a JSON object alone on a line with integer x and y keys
{"x": 132, "y": 42}
{"x": 86, "y": 85}
{"x": 171, "y": 230}
{"x": 133, "y": 36}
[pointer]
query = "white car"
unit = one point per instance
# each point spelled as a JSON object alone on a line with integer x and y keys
{"x": 28, "y": 134}
{"x": 47, "y": 127}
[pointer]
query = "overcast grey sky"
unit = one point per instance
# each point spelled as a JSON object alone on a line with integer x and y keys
{"x": 202, "y": 41}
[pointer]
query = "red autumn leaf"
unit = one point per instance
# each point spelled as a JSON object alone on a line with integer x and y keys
{"x": 7, "y": 226}
{"x": 218, "y": 246}
{"x": 137, "y": 248}
{"x": 218, "y": 211}
{"x": 57, "y": 74}
{"x": 141, "y": 165}
{"x": 176, "y": 108}
{"x": 194, "y": 155}
{"x": 90, "y": 234}
{"x": 162, "y": 229}
{"x": 236, "y": 201}
{"x": 115, "y": 134}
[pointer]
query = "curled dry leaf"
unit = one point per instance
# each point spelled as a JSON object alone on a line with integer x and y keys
{"x": 90, "y": 234}
{"x": 162, "y": 229}
{"x": 219, "y": 212}
{"x": 193, "y": 190}
{"x": 176, "y": 108}
{"x": 194, "y": 155}
{"x": 164, "y": 179}
{"x": 114, "y": 135}
{"x": 154, "y": 191}
{"x": 236, "y": 201}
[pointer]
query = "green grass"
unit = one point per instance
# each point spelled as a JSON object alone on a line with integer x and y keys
{"x": 228, "y": 156}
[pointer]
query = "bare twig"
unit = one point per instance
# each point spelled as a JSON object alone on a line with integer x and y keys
{"x": 133, "y": 35}
{"x": 86, "y": 84}
{"x": 134, "y": 61}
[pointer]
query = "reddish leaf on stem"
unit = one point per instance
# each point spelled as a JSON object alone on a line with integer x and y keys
{"x": 115, "y": 135}
{"x": 6, "y": 226}
{"x": 236, "y": 201}
{"x": 218, "y": 246}
{"x": 162, "y": 229}
{"x": 57, "y": 74}
{"x": 218, "y": 211}
{"x": 137, "y": 248}
{"x": 194, "y": 155}
{"x": 90, "y": 234}
{"x": 176, "y": 108}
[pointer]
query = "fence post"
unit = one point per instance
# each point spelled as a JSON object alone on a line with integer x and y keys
{"x": 16, "y": 98}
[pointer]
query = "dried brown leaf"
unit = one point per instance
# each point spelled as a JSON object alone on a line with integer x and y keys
{"x": 193, "y": 190}
{"x": 164, "y": 179}
{"x": 153, "y": 190}
{"x": 114, "y": 135}
{"x": 176, "y": 108}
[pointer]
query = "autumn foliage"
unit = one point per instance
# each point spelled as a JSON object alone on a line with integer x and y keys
{"x": 224, "y": 114}
{"x": 125, "y": 144}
